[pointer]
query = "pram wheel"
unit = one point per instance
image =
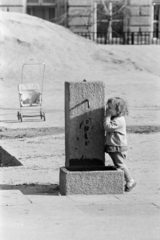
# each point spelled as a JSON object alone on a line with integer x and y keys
{"x": 42, "y": 114}
{"x": 19, "y": 116}
{"x": 44, "y": 117}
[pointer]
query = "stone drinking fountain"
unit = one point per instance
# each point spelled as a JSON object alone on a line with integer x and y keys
{"x": 85, "y": 171}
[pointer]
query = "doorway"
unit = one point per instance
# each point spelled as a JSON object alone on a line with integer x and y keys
{"x": 44, "y": 12}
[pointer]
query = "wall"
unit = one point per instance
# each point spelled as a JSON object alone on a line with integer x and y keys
{"x": 74, "y": 14}
{"x": 140, "y": 16}
{"x": 61, "y": 12}
{"x": 80, "y": 15}
{"x": 13, "y": 6}
{"x": 44, "y": 9}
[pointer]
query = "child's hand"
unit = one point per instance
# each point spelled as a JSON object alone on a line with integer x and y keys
{"x": 108, "y": 114}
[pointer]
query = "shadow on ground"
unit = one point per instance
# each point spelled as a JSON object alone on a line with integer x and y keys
{"x": 33, "y": 189}
{"x": 7, "y": 133}
{"x": 7, "y": 160}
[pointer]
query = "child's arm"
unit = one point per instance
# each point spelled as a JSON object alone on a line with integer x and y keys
{"x": 112, "y": 125}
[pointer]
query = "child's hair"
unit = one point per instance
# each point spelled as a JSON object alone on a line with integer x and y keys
{"x": 120, "y": 106}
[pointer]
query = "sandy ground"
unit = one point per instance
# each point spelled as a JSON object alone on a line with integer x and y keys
{"x": 131, "y": 72}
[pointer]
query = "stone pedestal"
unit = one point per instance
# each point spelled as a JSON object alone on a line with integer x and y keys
{"x": 92, "y": 181}
{"x": 84, "y": 132}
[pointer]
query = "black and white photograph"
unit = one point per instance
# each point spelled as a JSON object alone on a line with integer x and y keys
{"x": 79, "y": 119}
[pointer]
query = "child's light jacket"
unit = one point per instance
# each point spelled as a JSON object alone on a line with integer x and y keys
{"x": 115, "y": 140}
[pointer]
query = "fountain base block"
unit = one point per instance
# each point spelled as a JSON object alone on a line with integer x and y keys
{"x": 91, "y": 180}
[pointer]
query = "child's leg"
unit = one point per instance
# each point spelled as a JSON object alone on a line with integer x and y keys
{"x": 118, "y": 160}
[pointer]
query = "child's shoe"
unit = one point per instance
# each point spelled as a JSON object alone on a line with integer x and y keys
{"x": 129, "y": 185}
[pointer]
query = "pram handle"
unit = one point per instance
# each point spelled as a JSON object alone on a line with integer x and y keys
{"x": 34, "y": 64}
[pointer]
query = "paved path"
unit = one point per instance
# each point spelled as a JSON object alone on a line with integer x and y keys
{"x": 131, "y": 216}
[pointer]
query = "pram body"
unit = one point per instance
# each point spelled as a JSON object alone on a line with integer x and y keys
{"x": 30, "y": 97}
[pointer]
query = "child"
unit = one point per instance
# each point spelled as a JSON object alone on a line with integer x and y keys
{"x": 116, "y": 142}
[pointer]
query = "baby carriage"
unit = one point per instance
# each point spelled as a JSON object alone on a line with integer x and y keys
{"x": 30, "y": 96}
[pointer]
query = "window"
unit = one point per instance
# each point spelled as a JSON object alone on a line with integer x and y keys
{"x": 109, "y": 19}
{"x": 51, "y": 14}
{"x": 156, "y": 20}
{"x": 44, "y": 12}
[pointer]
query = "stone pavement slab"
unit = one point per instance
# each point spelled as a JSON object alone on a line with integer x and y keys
{"x": 81, "y": 217}
{"x": 12, "y": 198}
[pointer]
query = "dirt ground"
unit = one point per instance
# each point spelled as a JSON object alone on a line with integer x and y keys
{"x": 41, "y": 152}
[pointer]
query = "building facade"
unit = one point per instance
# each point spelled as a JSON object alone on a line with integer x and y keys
{"x": 95, "y": 17}
{"x": 110, "y": 15}
{"x": 45, "y": 9}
